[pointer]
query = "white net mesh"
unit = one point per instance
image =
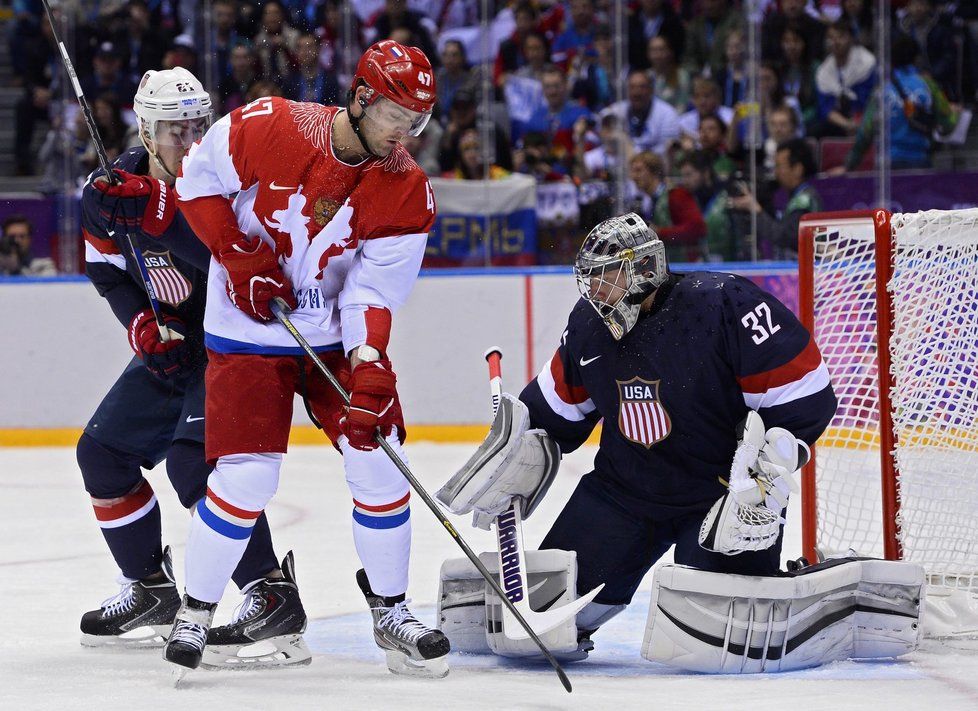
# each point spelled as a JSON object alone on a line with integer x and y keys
{"x": 934, "y": 398}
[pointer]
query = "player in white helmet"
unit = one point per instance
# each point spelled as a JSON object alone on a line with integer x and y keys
{"x": 155, "y": 410}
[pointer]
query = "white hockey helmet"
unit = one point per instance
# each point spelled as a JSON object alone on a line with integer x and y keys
{"x": 621, "y": 263}
{"x": 174, "y": 96}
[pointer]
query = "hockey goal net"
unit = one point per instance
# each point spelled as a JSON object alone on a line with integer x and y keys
{"x": 892, "y": 300}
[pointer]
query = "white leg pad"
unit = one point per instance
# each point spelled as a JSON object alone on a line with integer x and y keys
{"x": 733, "y": 624}
{"x": 470, "y": 613}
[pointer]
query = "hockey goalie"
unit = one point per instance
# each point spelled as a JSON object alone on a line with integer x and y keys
{"x": 711, "y": 392}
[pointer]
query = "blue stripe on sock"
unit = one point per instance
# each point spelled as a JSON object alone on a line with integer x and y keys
{"x": 382, "y": 521}
{"x": 229, "y": 530}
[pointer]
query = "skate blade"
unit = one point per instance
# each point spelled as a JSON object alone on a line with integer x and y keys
{"x": 284, "y": 651}
{"x": 402, "y": 665}
{"x": 146, "y": 637}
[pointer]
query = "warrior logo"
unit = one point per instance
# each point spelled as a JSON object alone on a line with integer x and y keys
{"x": 511, "y": 572}
{"x": 170, "y": 285}
{"x": 641, "y": 416}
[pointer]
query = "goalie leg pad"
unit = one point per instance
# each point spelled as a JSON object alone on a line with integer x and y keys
{"x": 735, "y": 624}
{"x": 470, "y": 613}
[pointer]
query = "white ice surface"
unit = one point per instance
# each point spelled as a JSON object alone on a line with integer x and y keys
{"x": 54, "y": 565}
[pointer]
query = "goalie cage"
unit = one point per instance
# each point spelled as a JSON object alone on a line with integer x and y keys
{"x": 892, "y": 301}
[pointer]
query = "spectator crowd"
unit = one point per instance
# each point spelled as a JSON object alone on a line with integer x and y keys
{"x": 660, "y": 114}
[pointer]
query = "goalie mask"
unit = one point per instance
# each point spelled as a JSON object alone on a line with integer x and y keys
{"x": 174, "y": 111}
{"x": 621, "y": 263}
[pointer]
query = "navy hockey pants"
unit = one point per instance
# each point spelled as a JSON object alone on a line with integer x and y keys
{"x": 141, "y": 421}
{"x": 617, "y": 541}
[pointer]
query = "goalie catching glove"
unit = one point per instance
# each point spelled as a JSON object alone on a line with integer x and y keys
{"x": 762, "y": 475}
{"x": 514, "y": 462}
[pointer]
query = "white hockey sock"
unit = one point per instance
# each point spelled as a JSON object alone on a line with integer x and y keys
{"x": 238, "y": 490}
{"x": 381, "y": 517}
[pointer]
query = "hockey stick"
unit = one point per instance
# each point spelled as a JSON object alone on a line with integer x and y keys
{"x": 509, "y": 539}
{"x": 103, "y": 160}
{"x": 281, "y": 311}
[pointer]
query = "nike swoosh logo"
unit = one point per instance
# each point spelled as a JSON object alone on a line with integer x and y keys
{"x": 273, "y": 186}
{"x": 589, "y": 360}
{"x": 193, "y": 419}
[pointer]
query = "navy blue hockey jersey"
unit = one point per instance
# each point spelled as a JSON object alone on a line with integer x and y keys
{"x": 177, "y": 261}
{"x": 673, "y": 391}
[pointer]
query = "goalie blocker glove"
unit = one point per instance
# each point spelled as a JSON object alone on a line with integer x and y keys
{"x": 748, "y": 516}
{"x": 514, "y": 462}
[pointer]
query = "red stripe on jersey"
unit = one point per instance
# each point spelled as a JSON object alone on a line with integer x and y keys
{"x": 571, "y": 394}
{"x": 792, "y": 371}
{"x": 378, "y": 323}
{"x": 383, "y": 507}
{"x": 103, "y": 245}
{"x": 125, "y": 505}
{"x": 231, "y": 508}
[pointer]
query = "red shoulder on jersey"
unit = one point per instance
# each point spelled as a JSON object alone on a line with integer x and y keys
{"x": 394, "y": 198}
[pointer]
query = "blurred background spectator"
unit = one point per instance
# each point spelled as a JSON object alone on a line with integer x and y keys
{"x": 843, "y": 82}
{"x": 15, "y": 250}
{"x": 794, "y": 167}
{"x": 577, "y": 93}
{"x": 671, "y": 212}
{"x": 652, "y": 124}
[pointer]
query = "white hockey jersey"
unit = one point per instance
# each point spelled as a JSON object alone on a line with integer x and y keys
{"x": 349, "y": 237}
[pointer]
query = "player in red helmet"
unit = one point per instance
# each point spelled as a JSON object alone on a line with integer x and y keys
{"x": 394, "y": 88}
{"x": 322, "y": 207}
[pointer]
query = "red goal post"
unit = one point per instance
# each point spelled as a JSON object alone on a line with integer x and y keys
{"x": 892, "y": 301}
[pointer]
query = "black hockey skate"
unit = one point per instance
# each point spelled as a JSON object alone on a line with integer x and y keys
{"x": 189, "y": 634}
{"x": 267, "y": 627}
{"x": 140, "y": 615}
{"x": 412, "y": 648}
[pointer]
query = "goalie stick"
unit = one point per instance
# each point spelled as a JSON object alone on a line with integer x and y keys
{"x": 281, "y": 311}
{"x": 103, "y": 159}
{"x": 509, "y": 539}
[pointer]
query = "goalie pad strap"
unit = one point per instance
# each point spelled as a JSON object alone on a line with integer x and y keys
{"x": 713, "y": 622}
{"x": 470, "y": 614}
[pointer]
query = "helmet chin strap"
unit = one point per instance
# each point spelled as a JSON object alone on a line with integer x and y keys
{"x": 355, "y": 124}
{"x": 160, "y": 164}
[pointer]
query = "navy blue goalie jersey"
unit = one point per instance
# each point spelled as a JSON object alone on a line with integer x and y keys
{"x": 673, "y": 391}
{"x": 177, "y": 261}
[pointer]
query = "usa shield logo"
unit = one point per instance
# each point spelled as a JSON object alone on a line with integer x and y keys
{"x": 171, "y": 286}
{"x": 641, "y": 416}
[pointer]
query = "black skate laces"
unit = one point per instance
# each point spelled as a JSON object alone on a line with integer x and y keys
{"x": 121, "y": 602}
{"x": 401, "y": 622}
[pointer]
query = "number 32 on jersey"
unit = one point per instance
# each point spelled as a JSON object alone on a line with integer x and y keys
{"x": 760, "y": 322}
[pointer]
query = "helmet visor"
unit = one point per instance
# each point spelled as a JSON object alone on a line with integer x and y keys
{"x": 391, "y": 117}
{"x": 180, "y": 134}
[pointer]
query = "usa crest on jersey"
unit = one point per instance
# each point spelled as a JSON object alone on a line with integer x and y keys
{"x": 641, "y": 416}
{"x": 171, "y": 286}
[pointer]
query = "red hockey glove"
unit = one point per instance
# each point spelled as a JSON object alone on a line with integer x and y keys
{"x": 160, "y": 208}
{"x": 373, "y": 404}
{"x": 164, "y": 359}
{"x": 254, "y": 277}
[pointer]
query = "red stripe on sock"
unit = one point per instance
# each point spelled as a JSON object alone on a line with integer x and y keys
{"x": 383, "y": 507}
{"x": 125, "y": 505}
{"x": 231, "y": 508}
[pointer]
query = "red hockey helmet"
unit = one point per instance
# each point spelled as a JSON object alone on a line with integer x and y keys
{"x": 400, "y": 74}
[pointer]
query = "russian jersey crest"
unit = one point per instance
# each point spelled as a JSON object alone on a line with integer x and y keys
{"x": 641, "y": 416}
{"x": 169, "y": 283}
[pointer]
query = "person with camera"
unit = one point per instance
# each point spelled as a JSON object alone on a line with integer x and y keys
{"x": 15, "y": 250}
{"x": 794, "y": 166}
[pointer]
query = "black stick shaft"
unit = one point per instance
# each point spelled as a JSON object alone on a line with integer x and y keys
{"x": 103, "y": 159}
{"x": 280, "y": 309}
